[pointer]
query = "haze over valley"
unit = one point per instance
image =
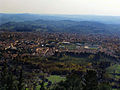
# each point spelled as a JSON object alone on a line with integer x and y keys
{"x": 60, "y": 23}
{"x": 59, "y": 45}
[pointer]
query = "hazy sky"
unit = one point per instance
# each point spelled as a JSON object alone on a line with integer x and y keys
{"x": 99, "y": 7}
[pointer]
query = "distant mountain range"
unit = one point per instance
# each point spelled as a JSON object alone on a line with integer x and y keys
{"x": 59, "y": 23}
{"x": 30, "y": 17}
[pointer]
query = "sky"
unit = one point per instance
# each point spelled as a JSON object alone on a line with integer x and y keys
{"x": 86, "y": 7}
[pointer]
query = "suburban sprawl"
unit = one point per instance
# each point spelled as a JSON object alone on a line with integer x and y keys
{"x": 48, "y": 60}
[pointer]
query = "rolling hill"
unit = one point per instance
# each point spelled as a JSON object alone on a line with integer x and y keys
{"x": 56, "y": 23}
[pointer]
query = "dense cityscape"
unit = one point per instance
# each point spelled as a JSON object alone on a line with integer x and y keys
{"x": 47, "y": 44}
{"x": 44, "y": 60}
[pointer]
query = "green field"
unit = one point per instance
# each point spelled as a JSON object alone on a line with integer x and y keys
{"x": 72, "y": 59}
{"x": 113, "y": 73}
{"x": 114, "y": 69}
{"x": 69, "y": 47}
{"x": 55, "y": 78}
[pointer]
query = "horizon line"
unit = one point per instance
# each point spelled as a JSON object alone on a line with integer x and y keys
{"x": 62, "y": 14}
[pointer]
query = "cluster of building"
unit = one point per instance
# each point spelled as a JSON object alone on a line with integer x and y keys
{"x": 46, "y": 44}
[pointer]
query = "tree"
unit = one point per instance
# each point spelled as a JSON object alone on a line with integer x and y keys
{"x": 20, "y": 80}
{"x": 43, "y": 84}
{"x": 104, "y": 86}
{"x": 91, "y": 81}
{"x": 7, "y": 79}
{"x": 72, "y": 82}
